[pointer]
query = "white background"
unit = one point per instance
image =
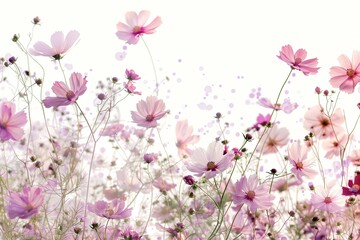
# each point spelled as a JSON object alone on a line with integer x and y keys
{"x": 229, "y": 43}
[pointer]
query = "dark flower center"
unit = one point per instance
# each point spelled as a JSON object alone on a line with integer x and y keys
{"x": 299, "y": 165}
{"x": 250, "y": 195}
{"x": 149, "y": 118}
{"x": 211, "y": 166}
{"x": 327, "y": 200}
{"x": 70, "y": 95}
{"x": 57, "y": 56}
{"x": 351, "y": 73}
{"x": 324, "y": 122}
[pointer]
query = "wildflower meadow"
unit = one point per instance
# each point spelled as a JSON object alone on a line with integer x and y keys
{"x": 134, "y": 154}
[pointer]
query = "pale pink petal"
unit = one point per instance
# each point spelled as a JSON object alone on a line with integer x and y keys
{"x": 60, "y": 89}
{"x": 15, "y": 132}
{"x": 57, "y": 42}
{"x": 142, "y": 18}
{"x": 131, "y": 19}
{"x": 70, "y": 40}
{"x": 150, "y": 28}
{"x": 42, "y": 49}
{"x": 301, "y": 53}
{"x": 345, "y": 61}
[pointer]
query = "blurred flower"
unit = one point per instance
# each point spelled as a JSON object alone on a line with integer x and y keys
{"x": 131, "y": 75}
{"x": 347, "y": 75}
{"x": 11, "y": 122}
{"x": 64, "y": 95}
{"x": 24, "y": 204}
{"x": 354, "y": 186}
{"x": 184, "y": 138}
{"x": 354, "y": 157}
{"x": 302, "y": 166}
{"x": 132, "y": 32}
{"x": 328, "y": 199}
{"x": 248, "y": 191}
{"x": 59, "y": 45}
{"x": 111, "y": 210}
{"x": 148, "y": 112}
{"x": 274, "y": 139}
{"x": 335, "y": 145}
{"x": 209, "y": 162}
{"x": 163, "y": 185}
{"x": 129, "y": 234}
{"x": 320, "y": 124}
{"x": 112, "y": 130}
{"x": 130, "y": 88}
{"x": 150, "y": 157}
{"x": 297, "y": 61}
{"x": 287, "y": 106}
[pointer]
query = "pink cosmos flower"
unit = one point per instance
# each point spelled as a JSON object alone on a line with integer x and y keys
{"x": 302, "y": 166}
{"x": 248, "y": 191}
{"x": 184, "y": 138}
{"x": 135, "y": 27}
{"x": 24, "y": 204}
{"x": 354, "y": 186}
{"x": 11, "y": 122}
{"x": 112, "y": 130}
{"x": 110, "y": 210}
{"x": 59, "y": 45}
{"x": 347, "y": 75}
{"x": 287, "y": 106}
{"x": 274, "y": 139}
{"x": 335, "y": 145}
{"x": 210, "y": 162}
{"x": 297, "y": 61}
{"x": 131, "y": 75}
{"x": 261, "y": 120}
{"x": 148, "y": 112}
{"x": 320, "y": 124}
{"x": 354, "y": 157}
{"x": 161, "y": 184}
{"x": 130, "y": 88}
{"x": 65, "y": 95}
{"x": 328, "y": 199}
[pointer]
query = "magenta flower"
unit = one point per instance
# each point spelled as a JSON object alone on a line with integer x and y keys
{"x": 24, "y": 204}
{"x": 130, "y": 88}
{"x": 148, "y": 112}
{"x": 132, "y": 32}
{"x": 59, "y": 45}
{"x": 65, "y": 95}
{"x": 347, "y": 75}
{"x": 131, "y": 75}
{"x": 297, "y": 61}
{"x": 328, "y": 199}
{"x": 354, "y": 186}
{"x": 248, "y": 191}
{"x": 110, "y": 210}
{"x": 184, "y": 138}
{"x": 11, "y": 122}
{"x": 210, "y": 162}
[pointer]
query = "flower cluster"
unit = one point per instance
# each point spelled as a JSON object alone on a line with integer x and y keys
{"x": 78, "y": 169}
